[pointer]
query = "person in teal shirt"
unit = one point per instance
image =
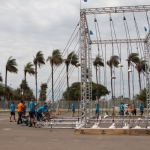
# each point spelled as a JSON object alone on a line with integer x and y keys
{"x": 97, "y": 110}
{"x": 134, "y": 111}
{"x": 141, "y": 109}
{"x": 73, "y": 109}
{"x": 12, "y": 111}
{"x": 41, "y": 110}
{"x": 24, "y": 108}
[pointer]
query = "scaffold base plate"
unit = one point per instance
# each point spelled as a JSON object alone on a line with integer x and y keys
{"x": 118, "y": 131}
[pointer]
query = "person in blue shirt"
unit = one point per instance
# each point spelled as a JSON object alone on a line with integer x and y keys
{"x": 24, "y": 108}
{"x": 31, "y": 110}
{"x": 121, "y": 108}
{"x": 141, "y": 109}
{"x": 41, "y": 110}
{"x": 73, "y": 109}
{"x": 97, "y": 110}
{"x": 12, "y": 111}
{"x": 134, "y": 111}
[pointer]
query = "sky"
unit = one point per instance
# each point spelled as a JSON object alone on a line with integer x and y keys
{"x": 27, "y": 26}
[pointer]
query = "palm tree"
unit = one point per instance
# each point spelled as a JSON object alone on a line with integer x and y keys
{"x": 140, "y": 67}
{"x": 98, "y": 61}
{"x": 114, "y": 61}
{"x": 55, "y": 59}
{"x": 72, "y": 59}
{"x": 11, "y": 67}
{"x": 1, "y": 79}
{"x": 133, "y": 57}
{"x": 29, "y": 69}
{"x": 38, "y": 61}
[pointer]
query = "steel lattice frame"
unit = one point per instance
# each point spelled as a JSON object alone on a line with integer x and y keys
{"x": 86, "y": 67}
{"x": 85, "y": 48}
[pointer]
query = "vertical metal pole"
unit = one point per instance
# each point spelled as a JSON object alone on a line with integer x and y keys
{"x": 147, "y": 74}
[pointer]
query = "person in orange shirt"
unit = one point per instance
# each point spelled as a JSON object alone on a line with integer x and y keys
{"x": 131, "y": 108}
{"x": 19, "y": 109}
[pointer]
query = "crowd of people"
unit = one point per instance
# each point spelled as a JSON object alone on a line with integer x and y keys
{"x": 131, "y": 108}
{"x": 34, "y": 114}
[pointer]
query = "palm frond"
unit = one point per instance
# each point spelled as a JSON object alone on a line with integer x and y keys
{"x": 11, "y": 65}
{"x": 56, "y": 58}
{"x": 29, "y": 68}
{"x": 39, "y": 59}
{"x": 72, "y": 59}
{"x": 98, "y": 61}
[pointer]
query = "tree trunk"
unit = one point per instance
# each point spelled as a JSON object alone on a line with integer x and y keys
{"x": 5, "y": 84}
{"x": 67, "y": 68}
{"x": 97, "y": 86}
{"x": 52, "y": 87}
{"x": 129, "y": 81}
{"x": 36, "y": 80}
{"x": 25, "y": 73}
{"x": 96, "y": 76}
{"x": 139, "y": 80}
{"x": 111, "y": 83}
{"x": 5, "y": 87}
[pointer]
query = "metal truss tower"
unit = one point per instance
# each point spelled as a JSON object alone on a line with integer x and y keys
{"x": 86, "y": 67}
{"x": 85, "y": 48}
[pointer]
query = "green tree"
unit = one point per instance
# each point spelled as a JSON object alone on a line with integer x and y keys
{"x": 142, "y": 96}
{"x": 98, "y": 62}
{"x": 16, "y": 94}
{"x": 140, "y": 67}
{"x": 72, "y": 59}
{"x": 55, "y": 60}
{"x": 43, "y": 91}
{"x": 8, "y": 93}
{"x": 113, "y": 61}
{"x": 74, "y": 91}
{"x": 133, "y": 57}
{"x": 11, "y": 66}
{"x": 38, "y": 61}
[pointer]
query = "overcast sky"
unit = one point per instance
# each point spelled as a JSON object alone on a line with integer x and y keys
{"x": 27, "y": 26}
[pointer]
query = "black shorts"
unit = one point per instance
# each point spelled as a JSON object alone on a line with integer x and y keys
{"x": 32, "y": 114}
{"x": 12, "y": 113}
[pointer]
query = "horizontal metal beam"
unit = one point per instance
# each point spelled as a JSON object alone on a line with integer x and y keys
{"x": 121, "y": 9}
{"x": 117, "y": 41}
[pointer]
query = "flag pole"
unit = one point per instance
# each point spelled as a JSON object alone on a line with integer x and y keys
{"x": 80, "y": 4}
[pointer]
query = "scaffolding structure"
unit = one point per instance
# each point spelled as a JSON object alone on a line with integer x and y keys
{"x": 85, "y": 48}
